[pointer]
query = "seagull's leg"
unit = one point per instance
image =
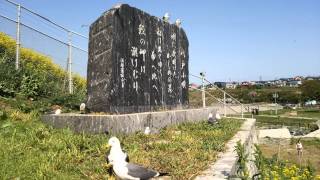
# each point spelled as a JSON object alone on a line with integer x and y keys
{"x": 106, "y": 165}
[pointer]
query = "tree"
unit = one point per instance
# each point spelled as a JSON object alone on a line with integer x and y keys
{"x": 253, "y": 95}
{"x": 310, "y": 90}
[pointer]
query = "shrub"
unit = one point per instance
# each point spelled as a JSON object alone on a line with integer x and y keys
{"x": 242, "y": 170}
{"x": 38, "y": 77}
{"x": 68, "y": 101}
{"x": 37, "y": 71}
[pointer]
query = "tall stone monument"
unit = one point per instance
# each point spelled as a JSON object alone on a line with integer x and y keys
{"x": 137, "y": 62}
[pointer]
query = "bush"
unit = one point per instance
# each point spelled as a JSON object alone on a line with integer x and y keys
{"x": 242, "y": 170}
{"x": 38, "y": 78}
{"x": 68, "y": 101}
{"x": 38, "y": 75}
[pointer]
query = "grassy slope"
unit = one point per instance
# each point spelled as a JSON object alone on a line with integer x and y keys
{"x": 31, "y": 150}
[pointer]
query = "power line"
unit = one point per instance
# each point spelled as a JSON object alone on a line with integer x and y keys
{"x": 47, "y": 19}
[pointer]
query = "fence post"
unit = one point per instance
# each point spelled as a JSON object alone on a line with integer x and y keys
{"x": 203, "y": 91}
{"x": 241, "y": 110}
{"x": 18, "y": 37}
{"x": 70, "y": 64}
{"x": 224, "y": 104}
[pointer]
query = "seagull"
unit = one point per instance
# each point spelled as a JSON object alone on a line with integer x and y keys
{"x": 125, "y": 170}
{"x": 166, "y": 17}
{"x": 82, "y": 108}
{"x": 116, "y": 151}
{"x": 218, "y": 117}
{"x": 147, "y": 130}
{"x": 57, "y": 112}
{"x": 178, "y": 22}
{"x": 211, "y": 120}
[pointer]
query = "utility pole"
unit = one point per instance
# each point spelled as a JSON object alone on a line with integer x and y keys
{"x": 69, "y": 64}
{"x": 18, "y": 38}
{"x": 203, "y": 92}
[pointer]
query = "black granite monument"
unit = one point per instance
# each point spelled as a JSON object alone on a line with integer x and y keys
{"x": 137, "y": 62}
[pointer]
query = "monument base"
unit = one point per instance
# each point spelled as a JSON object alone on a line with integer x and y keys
{"x": 126, "y": 123}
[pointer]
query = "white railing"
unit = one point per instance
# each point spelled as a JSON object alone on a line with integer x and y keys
{"x": 223, "y": 102}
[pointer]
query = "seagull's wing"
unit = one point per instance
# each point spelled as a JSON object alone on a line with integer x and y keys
{"x": 140, "y": 172}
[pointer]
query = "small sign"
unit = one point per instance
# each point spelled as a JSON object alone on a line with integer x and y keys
{"x": 275, "y": 95}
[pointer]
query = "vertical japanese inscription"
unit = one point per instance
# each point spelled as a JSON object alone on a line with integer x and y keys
{"x": 149, "y": 66}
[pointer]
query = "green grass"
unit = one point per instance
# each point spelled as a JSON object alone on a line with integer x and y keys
{"x": 284, "y": 121}
{"x": 31, "y": 150}
{"x": 272, "y": 112}
{"x": 310, "y": 112}
{"x": 284, "y": 118}
{"x": 301, "y": 112}
{"x": 304, "y": 125}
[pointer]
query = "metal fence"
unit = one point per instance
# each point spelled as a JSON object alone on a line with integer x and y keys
{"x": 66, "y": 48}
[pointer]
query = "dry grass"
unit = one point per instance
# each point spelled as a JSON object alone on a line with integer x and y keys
{"x": 311, "y": 152}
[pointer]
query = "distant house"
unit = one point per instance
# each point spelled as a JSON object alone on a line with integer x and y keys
{"x": 245, "y": 84}
{"x": 220, "y": 84}
{"x": 284, "y": 79}
{"x": 193, "y": 86}
{"x": 231, "y": 85}
{"x": 294, "y": 83}
{"x": 280, "y": 83}
{"x": 298, "y": 78}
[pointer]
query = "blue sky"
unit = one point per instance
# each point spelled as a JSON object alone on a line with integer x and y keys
{"x": 229, "y": 39}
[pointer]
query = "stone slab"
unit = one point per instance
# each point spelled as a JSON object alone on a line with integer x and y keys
{"x": 126, "y": 123}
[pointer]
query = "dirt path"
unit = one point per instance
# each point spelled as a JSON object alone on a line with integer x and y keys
{"x": 275, "y": 133}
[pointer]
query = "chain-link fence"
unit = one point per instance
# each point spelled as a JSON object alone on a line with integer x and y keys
{"x": 64, "y": 47}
